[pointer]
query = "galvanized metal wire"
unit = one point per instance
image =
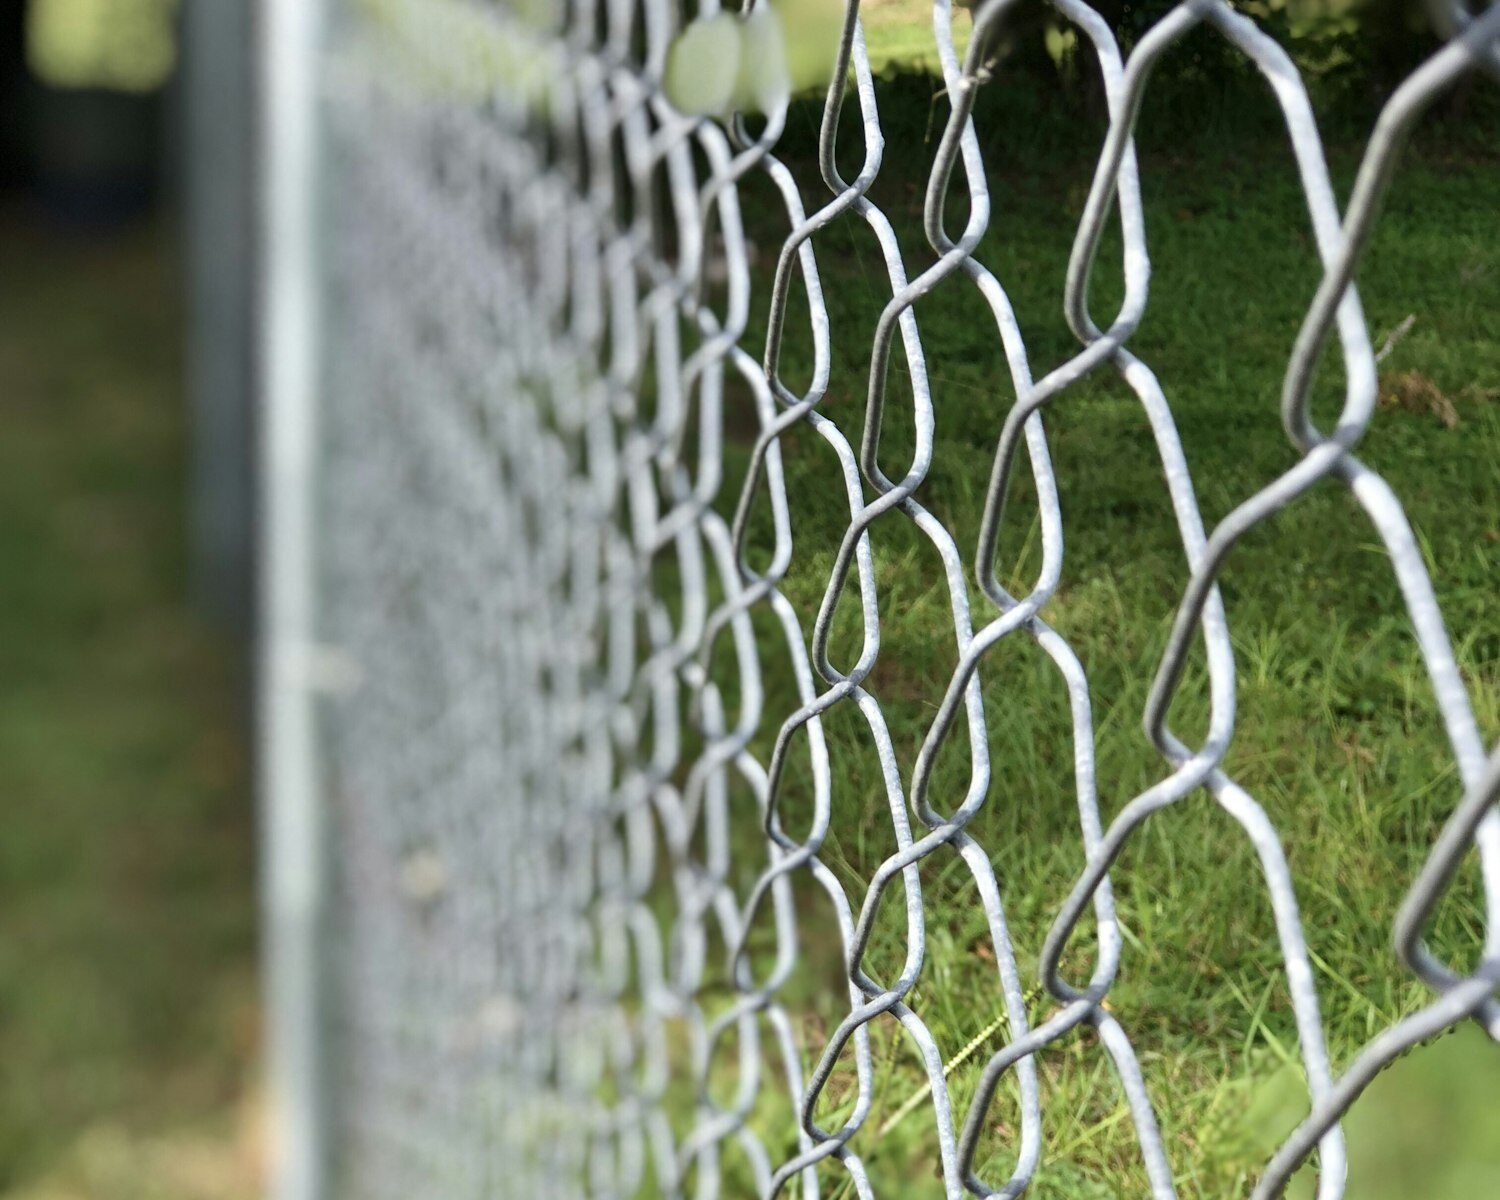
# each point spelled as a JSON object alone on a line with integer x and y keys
{"x": 538, "y": 289}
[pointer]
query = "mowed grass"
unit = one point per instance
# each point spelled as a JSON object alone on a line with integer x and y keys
{"x": 1337, "y": 733}
{"x": 127, "y": 999}
{"x": 898, "y": 35}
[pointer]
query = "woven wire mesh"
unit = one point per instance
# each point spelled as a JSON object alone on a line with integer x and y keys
{"x": 582, "y": 774}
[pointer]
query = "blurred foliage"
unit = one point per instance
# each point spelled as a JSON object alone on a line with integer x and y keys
{"x": 1338, "y": 43}
{"x": 121, "y": 45}
{"x": 1351, "y": 53}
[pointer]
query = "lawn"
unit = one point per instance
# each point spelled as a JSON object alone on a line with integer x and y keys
{"x": 1337, "y": 735}
{"x": 128, "y": 1020}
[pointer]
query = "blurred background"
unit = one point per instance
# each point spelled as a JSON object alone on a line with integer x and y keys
{"x": 128, "y": 1005}
{"x": 129, "y": 1026}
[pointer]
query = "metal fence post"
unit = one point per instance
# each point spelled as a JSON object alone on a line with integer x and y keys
{"x": 216, "y": 124}
{"x": 292, "y": 867}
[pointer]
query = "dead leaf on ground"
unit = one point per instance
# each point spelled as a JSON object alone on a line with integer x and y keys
{"x": 1416, "y": 393}
{"x": 1475, "y": 392}
{"x": 1354, "y": 752}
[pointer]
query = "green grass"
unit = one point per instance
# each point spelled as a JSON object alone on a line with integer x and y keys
{"x": 127, "y": 1012}
{"x": 898, "y": 35}
{"x": 1337, "y": 734}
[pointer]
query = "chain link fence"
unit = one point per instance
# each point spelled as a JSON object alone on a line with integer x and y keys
{"x": 581, "y": 759}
